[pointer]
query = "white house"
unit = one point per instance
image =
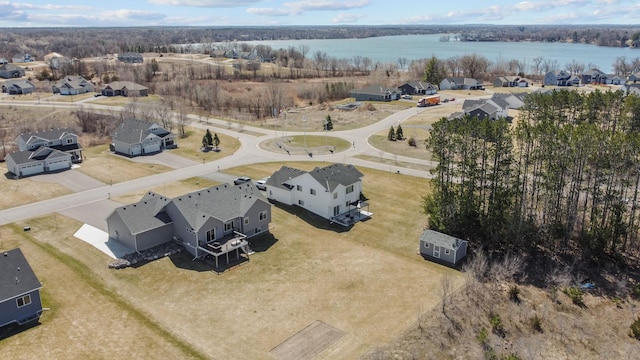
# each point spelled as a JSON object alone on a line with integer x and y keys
{"x": 333, "y": 192}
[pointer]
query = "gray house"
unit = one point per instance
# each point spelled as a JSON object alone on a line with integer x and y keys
{"x": 138, "y": 137}
{"x": 64, "y": 139}
{"x": 442, "y": 248}
{"x": 10, "y": 71}
{"x": 460, "y": 83}
{"x": 375, "y": 93}
{"x": 19, "y": 290}
{"x": 72, "y": 85}
{"x": 210, "y": 222}
{"x": 130, "y": 57}
{"x": 125, "y": 88}
{"x": 557, "y": 78}
{"x": 18, "y": 87}
{"x": 418, "y": 88}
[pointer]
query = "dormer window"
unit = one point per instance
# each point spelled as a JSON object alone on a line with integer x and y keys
{"x": 69, "y": 141}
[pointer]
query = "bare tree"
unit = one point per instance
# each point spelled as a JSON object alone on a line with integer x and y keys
{"x": 575, "y": 67}
{"x": 402, "y": 61}
{"x": 474, "y": 64}
{"x": 182, "y": 119}
{"x": 537, "y": 64}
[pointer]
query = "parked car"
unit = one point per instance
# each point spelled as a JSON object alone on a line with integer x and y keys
{"x": 241, "y": 180}
{"x": 261, "y": 184}
{"x": 408, "y": 97}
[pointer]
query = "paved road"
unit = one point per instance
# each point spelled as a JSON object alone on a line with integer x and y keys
{"x": 88, "y": 203}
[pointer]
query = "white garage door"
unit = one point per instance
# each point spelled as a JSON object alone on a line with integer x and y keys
{"x": 151, "y": 148}
{"x": 135, "y": 150}
{"x": 32, "y": 169}
{"x": 59, "y": 165}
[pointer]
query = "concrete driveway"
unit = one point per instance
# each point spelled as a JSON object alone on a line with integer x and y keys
{"x": 165, "y": 158}
{"x": 72, "y": 179}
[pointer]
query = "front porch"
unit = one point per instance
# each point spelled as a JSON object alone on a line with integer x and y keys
{"x": 358, "y": 211}
{"x": 234, "y": 241}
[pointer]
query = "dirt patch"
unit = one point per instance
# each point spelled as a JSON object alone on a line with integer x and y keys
{"x": 308, "y": 342}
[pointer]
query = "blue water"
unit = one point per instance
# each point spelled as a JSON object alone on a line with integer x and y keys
{"x": 389, "y": 48}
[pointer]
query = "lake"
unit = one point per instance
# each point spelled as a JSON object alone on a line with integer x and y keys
{"x": 390, "y": 48}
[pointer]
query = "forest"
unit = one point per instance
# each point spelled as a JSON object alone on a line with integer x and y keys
{"x": 562, "y": 179}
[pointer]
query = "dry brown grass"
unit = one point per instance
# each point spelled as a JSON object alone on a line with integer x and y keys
{"x": 109, "y": 168}
{"x": 189, "y": 146}
{"x": 367, "y": 282}
{"x": 26, "y": 190}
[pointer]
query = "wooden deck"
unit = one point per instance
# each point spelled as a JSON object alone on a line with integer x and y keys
{"x": 352, "y": 216}
{"x": 234, "y": 242}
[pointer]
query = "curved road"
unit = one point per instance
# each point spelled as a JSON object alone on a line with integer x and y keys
{"x": 249, "y": 153}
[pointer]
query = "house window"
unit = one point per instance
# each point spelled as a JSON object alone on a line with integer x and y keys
{"x": 426, "y": 245}
{"x": 211, "y": 235}
{"x": 312, "y": 191}
{"x": 349, "y": 189}
{"x": 246, "y": 221}
{"x": 300, "y": 202}
{"x": 263, "y": 215}
{"x": 69, "y": 141}
{"x": 347, "y": 203}
{"x": 335, "y": 195}
{"x": 24, "y": 300}
{"x": 447, "y": 251}
{"x": 299, "y": 187}
{"x": 257, "y": 230}
{"x": 228, "y": 225}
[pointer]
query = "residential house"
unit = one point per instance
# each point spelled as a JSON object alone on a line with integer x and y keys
{"x": 19, "y": 290}
{"x": 616, "y": 79}
{"x": 23, "y": 58}
{"x": 332, "y": 192}
{"x": 3, "y": 61}
{"x": 510, "y": 101}
{"x": 138, "y": 137}
{"x": 18, "y": 87}
{"x": 64, "y": 139}
{"x": 418, "y": 88}
{"x": 375, "y": 93}
{"x": 635, "y": 77}
{"x": 72, "y": 85}
{"x": 460, "y": 83}
{"x": 591, "y": 76}
{"x": 125, "y": 88}
{"x": 631, "y": 89}
{"x": 557, "y": 78}
{"x": 130, "y": 57}
{"x": 209, "y": 223}
{"x": 442, "y": 248}
{"x": 10, "y": 71}
{"x": 491, "y": 109}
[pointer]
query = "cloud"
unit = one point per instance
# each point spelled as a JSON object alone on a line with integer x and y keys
{"x": 205, "y": 3}
{"x": 344, "y": 18}
{"x": 298, "y": 7}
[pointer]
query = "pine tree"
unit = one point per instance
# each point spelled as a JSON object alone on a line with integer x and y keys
{"x": 216, "y": 141}
{"x": 208, "y": 139}
{"x": 399, "y": 133}
{"x": 392, "y": 134}
{"x": 205, "y": 146}
{"x": 328, "y": 125}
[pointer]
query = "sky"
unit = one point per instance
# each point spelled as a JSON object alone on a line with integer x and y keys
{"x": 91, "y": 13}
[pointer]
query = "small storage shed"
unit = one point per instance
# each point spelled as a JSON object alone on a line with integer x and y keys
{"x": 442, "y": 248}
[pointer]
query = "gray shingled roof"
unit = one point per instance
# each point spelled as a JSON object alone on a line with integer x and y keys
{"x": 16, "y": 275}
{"x": 48, "y": 135}
{"x": 40, "y": 154}
{"x": 125, "y": 84}
{"x": 74, "y": 81}
{"x": 133, "y": 131}
{"x": 440, "y": 239}
{"x": 282, "y": 176}
{"x": 337, "y": 174}
{"x": 146, "y": 214}
{"x": 223, "y": 202}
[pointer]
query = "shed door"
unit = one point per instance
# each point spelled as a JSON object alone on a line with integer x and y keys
{"x": 436, "y": 251}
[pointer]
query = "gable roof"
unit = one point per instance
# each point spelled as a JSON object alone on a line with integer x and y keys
{"x": 72, "y": 81}
{"x": 336, "y": 174}
{"x": 40, "y": 154}
{"x": 48, "y": 135}
{"x": 125, "y": 84}
{"x": 375, "y": 90}
{"x": 440, "y": 239}
{"x": 281, "y": 177}
{"x": 146, "y": 214}
{"x": 22, "y": 84}
{"x": 134, "y": 131}
{"x": 223, "y": 202}
{"x": 16, "y": 276}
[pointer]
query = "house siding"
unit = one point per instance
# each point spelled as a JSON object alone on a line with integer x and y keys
{"x": 154, "y": 237}
{"x": 11, "y": 313}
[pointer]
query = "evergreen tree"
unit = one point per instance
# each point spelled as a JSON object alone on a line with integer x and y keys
{"x": 205, "y": 144}
{"x": 216, "y": 141}
{"x": 399, "y": 133}
{"x": 208, "y": 139}
{"x": 392, "y": 134}
{"x": 328, "y": 125}
{"x": 434, "y": 71}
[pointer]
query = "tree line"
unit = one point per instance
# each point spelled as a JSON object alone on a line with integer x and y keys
{"x": 564, "y": 179}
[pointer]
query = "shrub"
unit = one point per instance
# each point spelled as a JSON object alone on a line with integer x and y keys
{"x": 412, "y": 141}
{"x": 575, "y": 294}
{"x": 514, "y": 294}
{"x": 483, "y": 337}
{"x": 496, "y": 324}
{"x": 634, "y": 331}
{"x": 536, "y": 323}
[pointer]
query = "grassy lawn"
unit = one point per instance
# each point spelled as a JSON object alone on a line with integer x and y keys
{"x": 73, "y": 98}
{"x": 368, "y": 282}
{"x": 301, "y": 144}
{"x": 379, "y": 141}
{"x": 123, "y": 100}
{"x": 189, "y": 146}
{"x": 26, "y": 190}
{"x": 101, "y": 164}
{"x": 393, "y": 163}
